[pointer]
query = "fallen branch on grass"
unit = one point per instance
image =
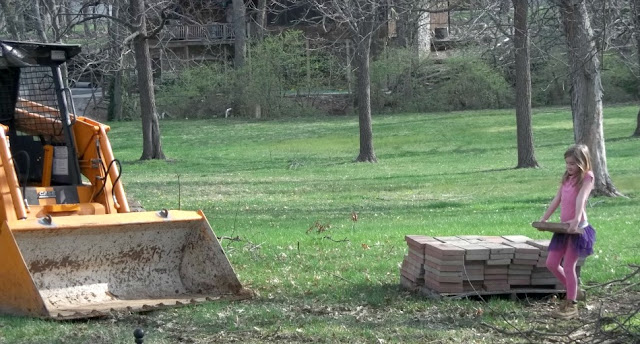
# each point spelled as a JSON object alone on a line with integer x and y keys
{"x": 235, "y": 238}
{"x": 612, "y": 322}
{"x": 330, "y": 239}
{"x": 628, "y": 277}
{"x": 527, "y": 334}
{"x": 250, "y": 246}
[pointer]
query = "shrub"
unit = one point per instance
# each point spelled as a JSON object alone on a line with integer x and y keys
{"x": 402, "y": 81}
{"x": 274, "y": 76}
{"x": 472, "y": 84}
{"x": 392, "y": 79}
{"x": 618, "y": 80}
{"x": 130, "y": 99}
{"x": 201, "y": 91}
{"x": 550, "y": 82}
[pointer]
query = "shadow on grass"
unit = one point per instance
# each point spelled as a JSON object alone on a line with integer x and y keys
{"x": 622, "y": 138}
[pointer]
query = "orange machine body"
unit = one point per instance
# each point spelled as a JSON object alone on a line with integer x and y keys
{"x": 69, "y": 244}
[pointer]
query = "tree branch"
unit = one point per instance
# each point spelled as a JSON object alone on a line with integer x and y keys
{"x": 637, "y": 271}
{"x": 163, "y": 21}
{"x": 106, "y": 16}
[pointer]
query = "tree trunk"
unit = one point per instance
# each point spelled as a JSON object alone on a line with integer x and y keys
{"x": 261, "y": 19}
{"x": 94, "y": 10}
{"x": 151, "y": 142}
{"x": 21, "y": 16}
{"x": 637, "y": 132}
{"x": 636, "y": 20}
{"x": 85, "y": 25}
{"x": 39, "y": 25}
{"x": 363, "y": 97}
{"x": 52, "y": 11}
{"x": 9, "y": 11}
{"x": 586, "y": 91}
{"x": 526, "y": 152}
{"x": 65, "y": 20}
{"x": 116, "y": 97}
{"x": 115, "y": 36}
{"x": 407, "y": 30}
{"x": 240, "y": 33}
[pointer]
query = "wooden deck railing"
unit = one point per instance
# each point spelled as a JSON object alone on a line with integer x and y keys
{"x": 210, "y": 32}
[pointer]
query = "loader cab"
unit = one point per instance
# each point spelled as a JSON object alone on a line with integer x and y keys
{"x": 37, "y": 110}
{"x": 35, "y": 107}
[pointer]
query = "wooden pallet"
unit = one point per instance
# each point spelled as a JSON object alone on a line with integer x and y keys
{"x": 465, "y": 266}
{"x": 555, "y": 227}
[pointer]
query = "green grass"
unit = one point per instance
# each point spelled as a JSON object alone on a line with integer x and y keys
{"x": 270, "y": 182}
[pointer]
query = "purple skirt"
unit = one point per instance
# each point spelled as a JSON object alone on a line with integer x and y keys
{"x": 582, "y": 243}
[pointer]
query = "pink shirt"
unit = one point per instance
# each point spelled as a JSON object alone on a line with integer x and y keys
{"x": 568, "y": 198}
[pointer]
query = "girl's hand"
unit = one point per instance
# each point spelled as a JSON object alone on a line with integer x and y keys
{"x": 573, "y": 226}
{"x": 542, "y": 219}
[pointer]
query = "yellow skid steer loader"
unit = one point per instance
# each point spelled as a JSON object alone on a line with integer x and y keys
{"x": 70, "y": 247}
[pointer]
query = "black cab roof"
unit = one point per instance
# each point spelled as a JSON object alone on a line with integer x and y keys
{"x": 25, "y": 54}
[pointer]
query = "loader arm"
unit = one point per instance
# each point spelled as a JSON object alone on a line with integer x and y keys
{"x": 97, "y": 163}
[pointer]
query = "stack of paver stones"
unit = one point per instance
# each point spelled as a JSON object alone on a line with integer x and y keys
{"x": 482, "y": 264}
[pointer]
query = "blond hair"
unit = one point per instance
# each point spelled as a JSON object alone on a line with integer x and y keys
{"x": 580, "y": 153}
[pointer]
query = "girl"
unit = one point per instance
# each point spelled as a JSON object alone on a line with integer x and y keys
{"x": 572, "y": 195}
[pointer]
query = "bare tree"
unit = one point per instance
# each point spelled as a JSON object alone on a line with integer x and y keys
{"x": 490, "y": 22}
{"x": 85, "y": 25}
{"x": 635, "y": 12}
{"x": 21, "y": 7}
{"x": 361, "y": 19}
{"x": 115, "y": 36}
{"x": 240, "y": 33}
{"x": 62, "y": 15}
{"x": 151, "y": 139}
{"x": 617, "y": 29}
{"x": 363, "y": 91}
{"x": 38, "y": 21}
{"x": 52, "y": 10}
{"x": 139, "y": 36}
{"x": 526, "y": 154}
{"x": 586, "y": 90}
{"x": 261, "y": 19}
{"x": 11, "y": 18}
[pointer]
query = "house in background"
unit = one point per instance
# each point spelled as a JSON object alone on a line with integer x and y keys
{"x": 199, "y": 30}
{"x": 439, "y": 26}
{"x": 202, "y": 30}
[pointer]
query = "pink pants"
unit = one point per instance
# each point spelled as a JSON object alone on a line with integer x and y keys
{"x": 567, "y": 272}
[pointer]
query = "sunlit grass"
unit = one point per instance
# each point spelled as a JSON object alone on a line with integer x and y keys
{"x": 274, "y": 184}
{"x": 439, "y": 174}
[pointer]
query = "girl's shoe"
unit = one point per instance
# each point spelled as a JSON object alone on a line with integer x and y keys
{"x": 568, "y": 310}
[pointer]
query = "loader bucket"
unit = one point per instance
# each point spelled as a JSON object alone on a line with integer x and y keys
{"x": 88, "y": 266}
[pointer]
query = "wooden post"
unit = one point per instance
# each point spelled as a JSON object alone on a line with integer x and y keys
{"x": 258, "y": 111}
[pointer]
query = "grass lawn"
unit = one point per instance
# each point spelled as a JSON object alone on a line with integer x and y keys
{"x": 287, "y": 190}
